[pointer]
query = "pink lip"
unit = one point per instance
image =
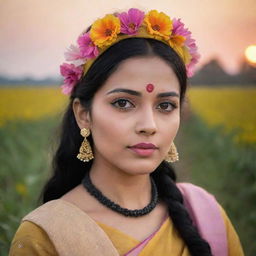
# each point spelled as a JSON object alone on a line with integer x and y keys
{"x": 144, "y": 146}
{"x": 144, "y": 149}
{"x": 143, "y": 152}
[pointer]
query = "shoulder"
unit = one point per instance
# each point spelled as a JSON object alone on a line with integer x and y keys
{"x": 30, "y": 239}
{"x": 201, "y": 205}
{"x": 189, "y": 187}
{"x": 58, "y": 216}
{"x": 210, "y": 218}
{"x": 194, "y": 195}
{"x": 51, "y": 208}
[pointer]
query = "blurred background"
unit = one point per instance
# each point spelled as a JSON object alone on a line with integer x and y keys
{"x": 217, "y": 138}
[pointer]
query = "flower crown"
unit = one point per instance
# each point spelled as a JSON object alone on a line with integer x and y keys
{"x": 111, "y": 29}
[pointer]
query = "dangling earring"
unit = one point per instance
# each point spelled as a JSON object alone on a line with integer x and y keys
{"x": 172, "y": 155}
{"x": 85, "y": 151}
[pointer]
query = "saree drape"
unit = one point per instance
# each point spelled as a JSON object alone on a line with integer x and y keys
{"x": 61, "y": 228}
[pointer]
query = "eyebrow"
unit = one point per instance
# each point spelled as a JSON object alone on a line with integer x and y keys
{"x": 135, "y": 93}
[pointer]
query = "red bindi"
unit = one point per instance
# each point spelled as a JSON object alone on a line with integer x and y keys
{"x": 150, "y": 87}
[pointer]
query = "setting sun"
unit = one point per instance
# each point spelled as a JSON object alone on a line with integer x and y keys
{"x": 250, "y": 53}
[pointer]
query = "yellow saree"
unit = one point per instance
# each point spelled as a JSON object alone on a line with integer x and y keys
{"x": 32, "y": 239}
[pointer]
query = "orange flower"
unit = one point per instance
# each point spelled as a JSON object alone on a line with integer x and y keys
{"x": 158, "y": 24}
{"x": 176, "y": 40}
{"x": 104, "y": 31}
{"x": 177, "y": 43}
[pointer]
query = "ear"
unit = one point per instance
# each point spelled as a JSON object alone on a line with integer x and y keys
{"x": 82, "y": 116}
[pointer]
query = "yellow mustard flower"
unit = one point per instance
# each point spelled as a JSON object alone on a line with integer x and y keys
{"x": 21, "y": 189}
{"x": 104, "y": 31}
{"x": 158, "y": 24}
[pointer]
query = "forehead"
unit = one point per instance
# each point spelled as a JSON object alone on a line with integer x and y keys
{"x": 137, "y": 72}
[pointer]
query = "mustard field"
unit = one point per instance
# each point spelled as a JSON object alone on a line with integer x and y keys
{"x": 234, "y": 108}
{"x": 29, "y": 103}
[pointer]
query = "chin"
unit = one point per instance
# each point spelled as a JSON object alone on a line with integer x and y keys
{"x": 143, "y": 168}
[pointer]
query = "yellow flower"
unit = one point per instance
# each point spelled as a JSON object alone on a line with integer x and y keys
{"x": 21, "y": 189}
{"x": 104, "y": 31}
{"x": 158, "y": 24}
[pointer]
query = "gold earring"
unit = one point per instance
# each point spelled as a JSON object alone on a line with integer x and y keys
{"x": 85, "y": 151}
{"x": 172, "y": 155}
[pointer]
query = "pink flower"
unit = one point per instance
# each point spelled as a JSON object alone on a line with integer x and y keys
{"x": 190, "y": 43}
{"x": 178, "y": 28}
{"x": 191, "y": 66}
{"x": 73, "y": 53}
{"x": 87, "y": 47}
{"x": 131, "y": 21}
{"x": 72, "y": 74}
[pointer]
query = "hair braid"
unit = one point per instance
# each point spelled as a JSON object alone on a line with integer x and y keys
{"x": 168, "y": 191}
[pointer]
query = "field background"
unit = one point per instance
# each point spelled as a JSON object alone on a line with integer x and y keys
{"x": 216, "y": 144}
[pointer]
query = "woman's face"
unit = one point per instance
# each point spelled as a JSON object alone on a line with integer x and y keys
{"x": 126, "y": 112}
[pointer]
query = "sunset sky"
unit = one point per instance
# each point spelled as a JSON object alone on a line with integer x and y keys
{"x": 34, "y": 34}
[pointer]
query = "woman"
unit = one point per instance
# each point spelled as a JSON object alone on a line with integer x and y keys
{"x": 117, "y": 195}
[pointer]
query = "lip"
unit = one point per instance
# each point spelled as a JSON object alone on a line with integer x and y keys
{"x": 143, "y": 149}
{"x": 144, "y": 145}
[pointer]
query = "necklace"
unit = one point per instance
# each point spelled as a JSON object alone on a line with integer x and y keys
{"x": 87, "y": 183}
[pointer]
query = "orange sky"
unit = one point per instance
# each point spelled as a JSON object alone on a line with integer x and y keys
{"x": 35, "y": 33}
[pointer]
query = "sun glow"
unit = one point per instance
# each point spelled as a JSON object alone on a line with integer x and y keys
{"x": 250, "y": 54}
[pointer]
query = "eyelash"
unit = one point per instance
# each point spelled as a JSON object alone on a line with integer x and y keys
{"x": 173, "y": 105}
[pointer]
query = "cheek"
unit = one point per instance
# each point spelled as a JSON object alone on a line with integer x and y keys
{"x": 176, "y": 124}
{"x": 169, "y": 132}
{"x": 172, "y": 125}
{"x": 107, "y": 128}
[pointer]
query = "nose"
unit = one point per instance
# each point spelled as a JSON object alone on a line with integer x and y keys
{"x": 146, "y": 123}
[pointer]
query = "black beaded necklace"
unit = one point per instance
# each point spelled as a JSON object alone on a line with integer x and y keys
{"x": 87, "y": 183}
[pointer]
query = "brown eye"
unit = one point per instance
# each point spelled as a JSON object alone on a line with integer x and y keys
{"x": 166, "y": 106}
{"x": 122, "y": 103}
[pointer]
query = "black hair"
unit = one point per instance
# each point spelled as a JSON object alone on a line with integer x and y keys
{"x": 68, "y": 171}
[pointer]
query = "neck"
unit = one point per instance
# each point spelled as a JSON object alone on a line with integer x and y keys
{"x": 129, "y": 191}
